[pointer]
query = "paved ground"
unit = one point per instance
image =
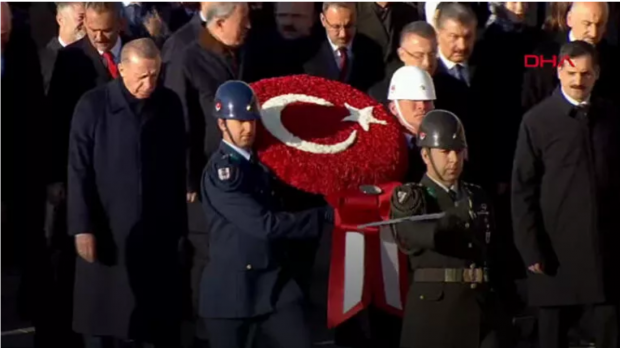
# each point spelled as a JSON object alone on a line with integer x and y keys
{"x": 322, "y": 337}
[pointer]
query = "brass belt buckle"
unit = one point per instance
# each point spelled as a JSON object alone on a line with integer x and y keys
{"x": 451, "y": 275}
{"x": 473, "y": 275}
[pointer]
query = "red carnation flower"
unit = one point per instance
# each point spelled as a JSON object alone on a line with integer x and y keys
{"x": 323, "y": 136}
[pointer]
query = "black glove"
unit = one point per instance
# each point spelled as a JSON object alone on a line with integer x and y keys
{"x": 328, "y": 215}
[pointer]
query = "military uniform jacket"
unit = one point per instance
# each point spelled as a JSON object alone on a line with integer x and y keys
{"x": 247, "y": 274}
{"x": 441, "y": 314}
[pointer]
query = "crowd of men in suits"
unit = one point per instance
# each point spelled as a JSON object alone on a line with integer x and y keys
{"x": 474, "y": 53}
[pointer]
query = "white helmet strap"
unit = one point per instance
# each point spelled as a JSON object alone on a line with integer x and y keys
{"x": 402, "y": 119}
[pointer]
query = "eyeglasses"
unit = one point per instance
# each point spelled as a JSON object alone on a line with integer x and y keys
{"x": 338, "y": 28}
{"x": 420, "y": 55}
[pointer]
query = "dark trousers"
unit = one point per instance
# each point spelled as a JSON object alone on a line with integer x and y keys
{"x": 600, "y": 321}
{"x": 112, "y": 342}
{"x": 285, "y": 328}
{"x": 371, "y": 328}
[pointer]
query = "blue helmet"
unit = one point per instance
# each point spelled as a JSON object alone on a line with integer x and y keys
{"x": 235, "y": 100}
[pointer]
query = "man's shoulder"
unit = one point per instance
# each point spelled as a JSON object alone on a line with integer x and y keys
{"x": 540, "y": 111}
{"x": 409, "y": 199}
{"x": 224, "y": 172}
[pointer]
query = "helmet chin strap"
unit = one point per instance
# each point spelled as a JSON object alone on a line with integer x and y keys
{"x": 232, "y": 140}
{"x": 437, "y": 173}
{"x": 402, "y": 120}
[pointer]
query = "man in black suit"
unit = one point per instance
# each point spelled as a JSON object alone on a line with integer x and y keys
{"x": 587, "y": 22}
{"x": 382, "y": 22}
{"x": 344, "y": 56}
{"x": 195, "y": 75}
{"x": 186, "y": 34}
{"x": 456, "y": 81}
{"x": 418, "y": 47}
{"x": 80, "y": 67}
{"x": 70, "y": 18}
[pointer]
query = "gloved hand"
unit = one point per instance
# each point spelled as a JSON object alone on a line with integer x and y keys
{"x": 329, "y": 215}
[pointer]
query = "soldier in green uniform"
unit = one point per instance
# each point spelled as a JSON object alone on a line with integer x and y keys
{"x": 452, "y": 300}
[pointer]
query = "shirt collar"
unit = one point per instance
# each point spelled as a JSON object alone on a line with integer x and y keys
{"x": 454, "y": 188}
{"x": 128, "y": 3}
{"x": 202, "y": 17}
{"x": 116, "y": 49}
{"x": 62, "y": 43}
{"x": 571, "y": 37}
{"x": 246, "y": 154}
{"x": 335, "y": 48}
{"x": 448, "y": 63}
{"x": 573, "y": 101}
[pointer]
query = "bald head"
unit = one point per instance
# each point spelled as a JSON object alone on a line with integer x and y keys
{"x": 139, "y": 49}
{"x": 139, "y": 67}
{"x": 588, "y": 21}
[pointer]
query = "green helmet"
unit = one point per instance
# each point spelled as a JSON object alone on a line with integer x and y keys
{"x": 443, "y": 130}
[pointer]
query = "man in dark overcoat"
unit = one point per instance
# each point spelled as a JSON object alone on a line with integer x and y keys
{"x": 23, "y": 178}
{"x": 195, "y": 75}
{"x": 587, "y": 22}
{"x": 126, "y": 202}
{"x": 186, "y": 34}
{"x": 564, "y": 204}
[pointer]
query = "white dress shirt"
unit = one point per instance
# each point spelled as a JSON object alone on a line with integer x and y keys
{"x": 116, "y": 51}
{"x": 573, "y": 101}
{"x": 336, "y": 52}
{"x": 246, "y": 154}
{"x": 62, "y": 43}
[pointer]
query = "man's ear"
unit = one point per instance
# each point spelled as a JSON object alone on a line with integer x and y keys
{"x": 60, "y": 19}
{"x": 425, "y": 152}
{"x": 221, "y": 124}
{"x": 392, "y": 108}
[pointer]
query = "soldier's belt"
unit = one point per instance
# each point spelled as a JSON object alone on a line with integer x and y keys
{"x": 450, "y": 275}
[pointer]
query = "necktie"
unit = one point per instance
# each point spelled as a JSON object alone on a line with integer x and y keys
{"x": 452, "y": 194}
{"x": 109, "y": 61}
{"x": 459, "y": 73}
{"x": 343, "y": 63}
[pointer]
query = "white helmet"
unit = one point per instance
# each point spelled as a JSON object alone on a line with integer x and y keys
{"x": 411, "y": 83}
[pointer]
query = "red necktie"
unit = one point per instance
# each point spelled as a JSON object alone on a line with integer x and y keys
{"x": 342, "y": 63}
{"x": 109, "y": 60}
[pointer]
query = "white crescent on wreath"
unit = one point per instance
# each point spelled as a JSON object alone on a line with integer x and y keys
{"x": 271, "y": 115}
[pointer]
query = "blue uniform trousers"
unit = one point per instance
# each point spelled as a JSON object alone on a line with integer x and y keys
{"x": 284, "y": 328}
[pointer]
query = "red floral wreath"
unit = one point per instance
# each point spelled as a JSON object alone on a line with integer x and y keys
{"x": 378, "y": 154}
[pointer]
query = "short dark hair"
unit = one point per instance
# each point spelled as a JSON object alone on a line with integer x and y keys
{"x": 577, "y": 49}
{"x": 420, "y": 28}
{"x": 456, "y": 12}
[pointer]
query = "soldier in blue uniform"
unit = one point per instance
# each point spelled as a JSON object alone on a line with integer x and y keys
{"x": 453, "y": 300}
{"x": 247, "y": 282}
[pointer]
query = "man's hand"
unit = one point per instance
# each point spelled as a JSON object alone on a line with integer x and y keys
{"x": 56, "y": 193}
{"x": 536, "y": 268}
{"x": 191, "y": 197}
{"x": 502, "y": 188}
{"x": 85, "y": 246}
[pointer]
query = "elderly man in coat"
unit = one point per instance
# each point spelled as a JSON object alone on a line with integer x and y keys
{"x": 126, "y": 202}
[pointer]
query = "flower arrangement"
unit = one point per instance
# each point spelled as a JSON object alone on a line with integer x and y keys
{"x": 324, "y": 137}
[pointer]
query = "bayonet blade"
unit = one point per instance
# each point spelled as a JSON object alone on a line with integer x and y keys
{"x": 424, "y": 217}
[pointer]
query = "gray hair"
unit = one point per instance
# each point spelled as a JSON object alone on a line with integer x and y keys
{"x": 142, "y": 48}
{"x": 456, "y": 12}
{"x": 221, "y": 10}
{"x": 99, "y": 7}
{"x": 419, "y": 28}
{"x": 327, "y": 5}
{"x": 61, "y": 6}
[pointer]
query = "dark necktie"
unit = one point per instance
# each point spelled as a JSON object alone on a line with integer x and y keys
{"x": 110, "y": 64}
{"x": 459, "y": 73}
{"x": 452, "y": 195}
{"x": 343, "y": 63}
{"x": 581, "y": 112}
